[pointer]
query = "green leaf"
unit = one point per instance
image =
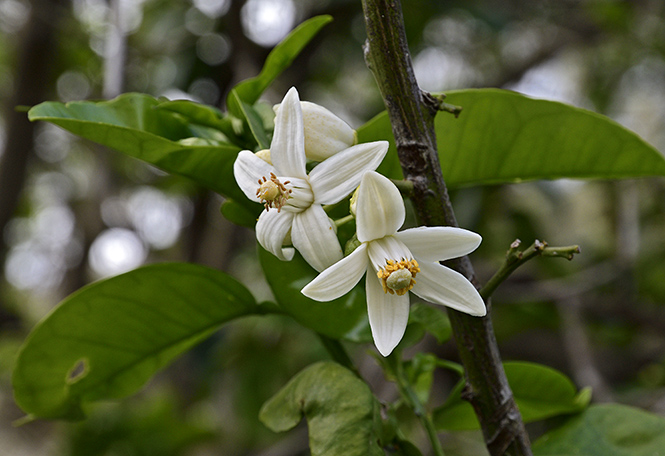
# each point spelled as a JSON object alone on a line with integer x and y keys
{"x": 279, "y": 59}
{"x": 199, "y": 114}
{"x": 345, "y": 317}
{"x": 504, "y": 137}
{"x": 540, "y": 392}
{"x": 434, "y": 320}
{"x": 606, "y": 430}
{"x": 107, "y": 339}
{"x": 419, "y": 371}
{"x": 131, "y": 125}
{"x": 253, "y": 121}
{"x": 240, "y": 214}
{"x": 339, "y": 408}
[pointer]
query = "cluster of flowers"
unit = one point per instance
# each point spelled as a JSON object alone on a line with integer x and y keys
{"x": 295, "y": 219}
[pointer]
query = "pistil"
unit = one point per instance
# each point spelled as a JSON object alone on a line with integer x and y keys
{"x": 398, "y": 276}
{"x": 272, "y": 192}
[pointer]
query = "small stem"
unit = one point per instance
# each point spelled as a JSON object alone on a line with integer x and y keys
{"x": 516, "y": 258}
{"x": 343, "y": 220}
{"x": 405, "y": 186}
{"x": 446, "y": 107}
{"x": 337, "y": 352}
{"x": 411, "y": 398}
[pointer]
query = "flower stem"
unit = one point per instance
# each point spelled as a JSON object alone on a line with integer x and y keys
{"x": 337, "y": 352}
{"x": 343, "y": 220}
{"x": 405, "y": 186}
{"x": 411, "y": 398}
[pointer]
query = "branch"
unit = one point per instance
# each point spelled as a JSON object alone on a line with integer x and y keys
{"x": 412, "y": 114}
{"x": 516, "y": 258}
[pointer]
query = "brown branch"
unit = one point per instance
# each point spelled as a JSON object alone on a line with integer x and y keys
{"x": 412, "y": 114}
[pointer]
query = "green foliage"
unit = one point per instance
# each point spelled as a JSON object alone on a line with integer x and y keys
{"x": 241, "y": 214}
{"x": 107, "y": 339}
{"x": 131, "y": 124}
{"x": 279, "y": 59}
{"x": 606, "y": 430}
{"x": 345, "y": 317}
{"x": 339, "y": 407}
{"x": 254, "y": 121}
{"x": 152, "y": 425}
{"x": 540, "y": 392}
{"x": 504, "y": 137}
{"x": 434, "y": 320}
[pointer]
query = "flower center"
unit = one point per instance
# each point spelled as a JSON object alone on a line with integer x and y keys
{"x": 272, "y": 192}
{"x": 398, "y": 276}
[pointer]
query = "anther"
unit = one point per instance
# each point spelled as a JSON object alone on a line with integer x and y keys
{"x": 272, "y": 192}
{"x": 398, "y": 276}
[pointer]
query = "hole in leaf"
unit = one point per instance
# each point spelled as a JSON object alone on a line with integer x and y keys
{"x": 80, "y": 370}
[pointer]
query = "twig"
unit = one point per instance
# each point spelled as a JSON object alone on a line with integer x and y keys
{"x": 515, "y": 258}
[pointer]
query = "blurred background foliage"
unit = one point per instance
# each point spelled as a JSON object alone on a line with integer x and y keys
{"x": 72, "y": 212}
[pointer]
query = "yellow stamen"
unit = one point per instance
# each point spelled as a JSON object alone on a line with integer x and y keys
{"x": 398, "y": 276}
{"x": 273, "y": 193}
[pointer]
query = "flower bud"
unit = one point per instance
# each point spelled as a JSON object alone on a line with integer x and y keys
{"x": 325, "y": 133}
{"x": 264, "y": 154}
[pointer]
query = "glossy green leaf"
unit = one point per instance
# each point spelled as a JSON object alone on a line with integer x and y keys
{"x": 200, "y": 114}
{"x": 107, "y": 339}
{"x": 434, "y": 320}
{"x": 606, "y": 430}
{"x": 197, "y": 113}
{"x": 345, "y": 317}
{"x": 132, "y": 125}
{"x": 243, "y": 215}
{"x": 279, "y": 59}
{"x": 504, "y": 137}
{"x": 540, "y": 392}
{"x": 339, "y": 407}
{"x": 253, "y": 121}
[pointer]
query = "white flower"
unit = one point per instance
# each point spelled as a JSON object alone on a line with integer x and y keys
{"x": 293, "y": 198}
{"x": 325, "y": 133}
{"x": 396, "y": 262}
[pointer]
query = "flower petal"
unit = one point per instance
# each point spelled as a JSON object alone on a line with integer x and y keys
{"x": 287, "y": 150}
{"x": 441, "y": 285}
{"x": 388, "y": 315}
{"x": 248, "y": 169}
{"x": 271, "y": 229}
{"x": 387, "y": 248}
{"x": 325, "y": 133}
{"x": 339, "y": 175}
{"x": 340, "y": 278}
{"x": 314, "y": 237}
{"x": 380, "y": 208}
{"x": 439, "y": 243}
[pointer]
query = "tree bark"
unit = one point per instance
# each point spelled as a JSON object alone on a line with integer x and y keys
{"x": 412, "y": 113}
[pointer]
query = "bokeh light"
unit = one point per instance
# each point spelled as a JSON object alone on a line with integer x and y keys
{"x": 266, "y": 22}
{"x": 116, "y": 250}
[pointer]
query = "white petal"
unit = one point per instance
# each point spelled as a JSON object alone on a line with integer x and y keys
{"x": 339, "y": 175}
{"x": 387, "y": 248}
{"x": 441, "y": 285}
{"x": 287, "y": 150}
{"x": 314, "y": 237}
{"x": 439, "y": 243}
{"x": 248, "y": 169}
{"x": 380, "y": 208}
{"x": 325, "y": 133}
{"x": 271, "y": 229}
{"x": 388, "y": 315}
{"x": 340, "y": 278}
